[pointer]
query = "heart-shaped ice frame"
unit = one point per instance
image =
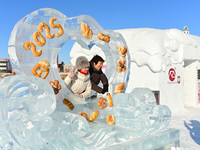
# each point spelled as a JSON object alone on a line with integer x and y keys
{"x": 24, "y": 61}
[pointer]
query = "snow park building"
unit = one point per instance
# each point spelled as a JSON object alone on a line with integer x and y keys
{"x": 165, "y": 61}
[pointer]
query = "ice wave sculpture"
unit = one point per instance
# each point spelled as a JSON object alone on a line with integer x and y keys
{"x": 26, "y": 103}
{"x": 33, "y": 54}
{"x": 138, "y": 110}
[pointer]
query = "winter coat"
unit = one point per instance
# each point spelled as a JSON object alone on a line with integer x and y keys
{"x": 96, "y": 76}
{"x": 79, "y": 84}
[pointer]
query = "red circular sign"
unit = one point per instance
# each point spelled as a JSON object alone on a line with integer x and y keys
{"x": 172, "y": 74}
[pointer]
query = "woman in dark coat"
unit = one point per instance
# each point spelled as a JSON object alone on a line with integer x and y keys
{"x": 96, "y": 75}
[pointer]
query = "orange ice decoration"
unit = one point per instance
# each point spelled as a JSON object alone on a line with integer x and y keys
{"x": 94, "y": 115}
{"x": 40, "y": 67}
{"x": 56, "y": 86}
{"x": 40, "y": 39}
{"x": 68, "y": 104}
{"x": 102, "y": 103}
{"x": 121, "y": 66}
{"x": 84, "y": 115}
{"x": 109, "y": 98}
{"x": 60, "y": 28}
{"x": 119, "y": 88}
{"x": 122, "y": 51}
{"x": 103, "y": 37}
{"x": 110, "y": 119}
{"x": 28, "y": 45}
{"x": 86, "y": 30}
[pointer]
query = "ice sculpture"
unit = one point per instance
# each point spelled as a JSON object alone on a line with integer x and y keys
{"x": 26, "y": 103}
{"x": 139, "y": 111}
{"x": 36, "y": 101}
{"x": 34, "y": 41}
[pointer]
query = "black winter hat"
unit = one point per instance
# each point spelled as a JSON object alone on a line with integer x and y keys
{"x": 82, "y": 62}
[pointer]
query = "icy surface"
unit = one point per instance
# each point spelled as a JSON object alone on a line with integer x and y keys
{"x": 33, "y": 114}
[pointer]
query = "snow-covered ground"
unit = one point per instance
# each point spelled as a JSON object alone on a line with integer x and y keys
{"x": 188, "y": 122}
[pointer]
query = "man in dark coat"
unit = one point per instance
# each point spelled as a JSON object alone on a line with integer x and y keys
{"x": 96, "y": 75}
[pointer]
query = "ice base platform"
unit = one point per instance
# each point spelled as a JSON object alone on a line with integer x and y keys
{"x": 162, "y": 140}
{"x": 101, "y": 136}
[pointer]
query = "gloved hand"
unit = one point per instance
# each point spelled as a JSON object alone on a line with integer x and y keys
{"x": 72, "y": 73}
{"x": 79, "y": 95}
{"x": 105, "y": 89}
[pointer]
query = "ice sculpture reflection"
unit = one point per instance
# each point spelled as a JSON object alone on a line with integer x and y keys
{"x": 30, "y": 106}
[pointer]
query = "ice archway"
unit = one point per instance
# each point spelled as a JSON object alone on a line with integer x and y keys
{"x": 24, "y": 31}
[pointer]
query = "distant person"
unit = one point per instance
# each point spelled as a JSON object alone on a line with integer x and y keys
{"x": 78, "y": 79}
{"x": 96, "y": 75}
{"x": 61, "y": 66}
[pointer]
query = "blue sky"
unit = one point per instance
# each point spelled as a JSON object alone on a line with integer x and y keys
{"x": 110, "y": 14}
